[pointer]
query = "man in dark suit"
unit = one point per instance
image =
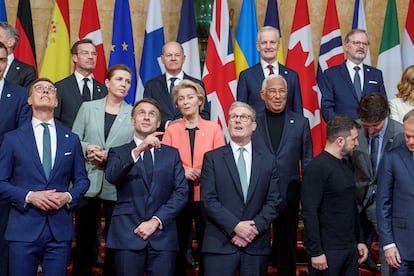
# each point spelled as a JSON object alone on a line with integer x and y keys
{"x": 42, "y": 177}
{"x": 160, "y": 88}
{"x": 79, "y": 86}
{"x": 250, "y": 80}
{"x": 344, "y": 85}
{"x": 287, "y": 136}
{"x": 333, "y": 237}
{"x": 151, "y": 191}
{"x": 17, "y": 71}
{"x": 15, "y": 112}
{"x": 240, "y": 198}
{"x": 378, "y": 134}
{"x": 395, "y": 203}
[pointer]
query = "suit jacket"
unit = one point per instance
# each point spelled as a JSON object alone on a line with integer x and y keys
{"x": 14, "y": 106}
{"x": 294, "y": 152}
{"x": 398, "y": 109}
{"x": 338, "y": 92}
{"x": 21, "y": 73}
{"x": 70, "y": 98}
{"x": 250, "y": 85}
{"x": 139, "y": 200}
{"x": 208, "y": 137}
{"x": 223, "y": 203}
{"x": 22, "y": 171}
{"x": 365, "y": 177}
{"x": 395, "y": 204}
{"x": 158, "y": 90}
{"x": 89, "y": 125}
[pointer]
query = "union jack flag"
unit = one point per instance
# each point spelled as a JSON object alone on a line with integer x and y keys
{"x": 219, "y": 74}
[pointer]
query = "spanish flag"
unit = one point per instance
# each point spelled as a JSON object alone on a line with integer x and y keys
{"x": 56, "y": 60}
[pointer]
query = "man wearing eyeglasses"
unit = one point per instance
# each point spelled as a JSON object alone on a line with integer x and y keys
{"x": 160, "y": 88}
{"x": 80, "y": 86}
{"x": 15, "y": 112}
{"x": 42, "y": 178}
{"x": 286, "y": 134}
{"x": 240, "y": 198}
{"x": 344, "y": 85}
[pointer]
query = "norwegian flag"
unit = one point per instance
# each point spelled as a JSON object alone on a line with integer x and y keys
{"x": 219, "y": 74}
{"x": 300, "y": 58}
{"x": 331, "y": 51}
{"x": 91, "y": 28}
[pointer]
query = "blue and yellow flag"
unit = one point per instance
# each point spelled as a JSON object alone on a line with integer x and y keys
{"x": 122, "y": 48}
{"x": 245, "y": 52}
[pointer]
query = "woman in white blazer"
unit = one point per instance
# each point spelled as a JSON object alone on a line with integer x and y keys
{"x": 100, "y": 124}
{"x": 404, "y": 100}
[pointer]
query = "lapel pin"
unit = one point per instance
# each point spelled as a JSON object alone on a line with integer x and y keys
{"x": 292, "y": 121}
{"x": 8, "y": 95}
{"x": 67, "y": 135}
{"x": 17, "y": 67}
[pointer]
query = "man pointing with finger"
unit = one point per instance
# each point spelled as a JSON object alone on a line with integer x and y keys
{"x": 151, "y": 192}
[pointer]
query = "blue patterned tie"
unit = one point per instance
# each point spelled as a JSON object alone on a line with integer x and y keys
{"x": 357, "y": 83}
{"x": 47, "y": 151}
{"x": 241, "y": 167}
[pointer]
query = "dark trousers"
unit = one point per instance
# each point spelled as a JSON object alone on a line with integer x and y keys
{"x": 340, "y": 263}
{"x": 285, "y": 229}
{"x": 148, "y": 261}
{"x": 4, "y": 257}
{"x": 45, "y": 250}
{"x": 184, "y": 228}
{"x": 230, "y": 264}
{"x": 86, "y": 225}
{"x": 406, "y": 269}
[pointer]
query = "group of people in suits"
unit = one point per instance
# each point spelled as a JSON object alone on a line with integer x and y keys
{"x": 154, "y": 167}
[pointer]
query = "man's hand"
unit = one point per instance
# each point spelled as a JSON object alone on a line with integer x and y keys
{"x": 238, "y": 241}
{"x": 246, "y": 230}
{"x": 392, "y": 255}
{"x": 319, "y": 262}
{"x": 363, "y": 252}
{"x": 151, "y": 141}
{"x": 147, "y": 228}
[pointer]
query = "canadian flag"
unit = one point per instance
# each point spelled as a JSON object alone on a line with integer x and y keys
{"x": 91, "y": 28}
{"x": 300, "y": 58}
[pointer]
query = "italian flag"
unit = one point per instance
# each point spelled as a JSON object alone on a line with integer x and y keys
{"x": 389, "y": 59}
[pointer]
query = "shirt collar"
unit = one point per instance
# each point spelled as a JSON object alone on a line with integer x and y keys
{"x": 179, "y": 76}
{"x": 235, "y": 147}
{"x": 36, "y": 122}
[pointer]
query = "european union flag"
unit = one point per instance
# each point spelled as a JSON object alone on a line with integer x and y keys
{"x": 122, "y": 48}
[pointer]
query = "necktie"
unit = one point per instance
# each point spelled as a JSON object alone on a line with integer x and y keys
{"x": 270, "y": 67}
{"x": 357, "y": 83}
{"x": 374, "y": 153}
{"x": 241, "y": 167}
{"x": 148, "y": 165}
{"x": 86, "y": 93}
{"x": 172, "y": 84}
{"x": 47, "y": 151}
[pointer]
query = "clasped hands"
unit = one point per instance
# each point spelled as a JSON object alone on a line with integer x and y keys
{"x": 48, "y": 200}
{"x": 95, "y": 153}
{"x": 245, "y": 232}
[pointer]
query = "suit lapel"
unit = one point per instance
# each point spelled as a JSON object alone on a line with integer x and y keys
{"x": 232, "y": 168}
{"x": 256, "y": 172}
{"x": 118, "y": 122}
{"x": 97, "y": 90}
{"x": 347, "y": 79}
{"x": 99, "y": 118}
{"x": 62, "y": 138}
{"x": 407, "y": 159}
{"x": 30, "y": 147}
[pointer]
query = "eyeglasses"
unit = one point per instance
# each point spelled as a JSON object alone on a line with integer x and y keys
{"x": 272, "y": 91}
{"x": 242, "y": 118}
{"x": 170, "y": 56}
{"x": 42, "y": 88}
{"x": 86, "y": 53}
{"x": 142, "y": 114}
{"x": 359, "y": 43}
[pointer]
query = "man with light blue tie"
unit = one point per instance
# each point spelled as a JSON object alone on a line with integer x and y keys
{"x": 42, "y": 178}
{"x": 342, "y": 86}
{"x": 240, "y": 198}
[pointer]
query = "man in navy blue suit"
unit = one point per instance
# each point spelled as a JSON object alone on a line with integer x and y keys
{"x": 395, "y": 203}
{"x": 287, "y": 136}
{"x": 152, "y": 191}
{"x": 15, "y": 112}
{"x": 240, "y": 198}
{"x": 344, "y": 85}
{"x": 250, "y": 80}
{"x": 42, "y": 177}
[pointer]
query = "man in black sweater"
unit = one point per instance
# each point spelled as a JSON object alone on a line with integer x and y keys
{"x": 333, "y": 236}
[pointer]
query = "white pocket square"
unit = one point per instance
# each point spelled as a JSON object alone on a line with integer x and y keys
{"x": 68, "y": 153}
{"x": 372, "y": 81}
